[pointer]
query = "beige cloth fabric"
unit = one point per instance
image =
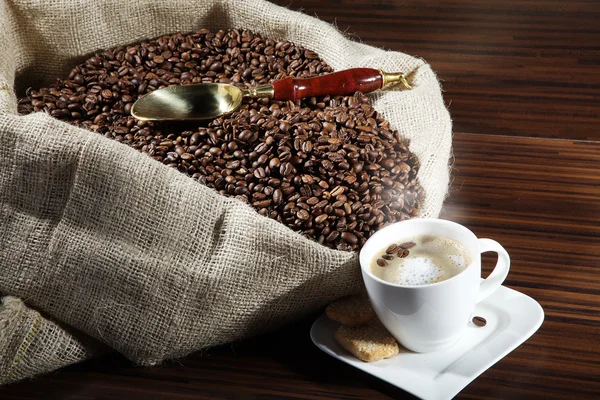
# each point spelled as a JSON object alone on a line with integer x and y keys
{"x": 135, "y": 254}
{"x": 31, "y": 344}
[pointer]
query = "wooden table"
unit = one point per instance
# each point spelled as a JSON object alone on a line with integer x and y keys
{"x": 522, "y": 82}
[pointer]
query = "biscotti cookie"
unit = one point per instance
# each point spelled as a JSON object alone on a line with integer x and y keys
{"x": 352, "y": 310}
{"x": 370, "y": 342}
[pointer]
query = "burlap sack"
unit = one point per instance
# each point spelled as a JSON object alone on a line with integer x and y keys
{"x": 31, "y": 344}
{"x": 135, "y": 254}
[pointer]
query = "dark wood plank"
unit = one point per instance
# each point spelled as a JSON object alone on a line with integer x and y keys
{"x": 523, "y": 68}
{"x": 539, "y": 197}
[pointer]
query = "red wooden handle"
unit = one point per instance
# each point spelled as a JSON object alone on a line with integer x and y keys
{"x": 335, "y": 84}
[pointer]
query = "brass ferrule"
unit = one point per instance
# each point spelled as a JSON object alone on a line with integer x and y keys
{"x": 391, "y": 77}
{"x": 259, "y": 91}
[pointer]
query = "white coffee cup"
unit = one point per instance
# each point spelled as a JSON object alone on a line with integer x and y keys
{"x": 432, "y": 317}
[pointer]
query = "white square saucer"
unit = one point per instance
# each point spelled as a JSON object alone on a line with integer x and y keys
{"x": 512, "y": 318}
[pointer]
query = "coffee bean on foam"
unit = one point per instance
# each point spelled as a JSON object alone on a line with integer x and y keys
{"x": 430, "y": 260}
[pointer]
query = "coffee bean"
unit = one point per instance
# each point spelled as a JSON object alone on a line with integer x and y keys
{"x": 321, "y": 218}
{"x": 312, "y": 201}
{"x": 337, "y": 191}
{"x": 302, "y": 204}
{"x": 217, "y": 66}
{"x": 260, "y": 173}
{"x": 479, "y": 321}
{"x": 262, "y": 203}
{"x": 387, "y": 257}
{"x": 349, "y": 237}
{"x": 381, "y": 262}
{"x": 303, "y": 215}
{"x": 403, "y": 253}
{"x": 245, "y": 135}
{"x": 328, "y": 167}
{"x": 392, "y": 249}
{"x": 388, "y": 163}
{"x": 187, "y": 157}
{"x": 285, "y": 169}
{"x": 350, "y": 179}
{"x": 338, "y": 204}
{"x": 262, "y": 159}
{"x": 274, "y": 163}
{"x": 332, "y": 236}
{"x": 277, "y": 196}
{"x": 408, "y": 245}
{"x": 387, "y": 181}
{"x": 347, "y": 208}
{"x": 58, "y": 113}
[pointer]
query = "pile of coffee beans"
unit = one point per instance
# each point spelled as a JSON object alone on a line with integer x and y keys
{"x": 330, "y": 168}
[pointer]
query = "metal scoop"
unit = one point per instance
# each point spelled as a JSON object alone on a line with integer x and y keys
{"x": 211, "y": 100}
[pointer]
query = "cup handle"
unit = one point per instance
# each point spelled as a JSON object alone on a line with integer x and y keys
{"x": 498, "y": 275}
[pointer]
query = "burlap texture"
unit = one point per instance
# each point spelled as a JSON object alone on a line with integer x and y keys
{"x": 136, "y": 254}
{"x": 31, "y": 344}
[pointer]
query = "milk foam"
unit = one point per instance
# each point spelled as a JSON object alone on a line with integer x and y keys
{"x": 433, "y": 259}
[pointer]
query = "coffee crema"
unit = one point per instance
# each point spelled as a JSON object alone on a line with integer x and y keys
{"x": 420, "y": 260}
